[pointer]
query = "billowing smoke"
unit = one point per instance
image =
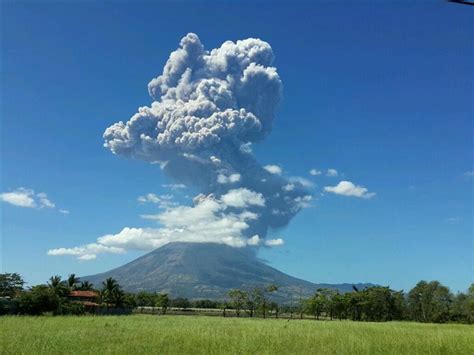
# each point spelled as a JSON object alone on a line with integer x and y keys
{"x": 208, "y": 108}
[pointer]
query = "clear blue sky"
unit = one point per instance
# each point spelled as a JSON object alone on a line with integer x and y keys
{"x": 380, "y": 92}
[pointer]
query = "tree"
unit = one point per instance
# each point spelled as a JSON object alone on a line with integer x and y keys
{"x": 10, "y": 284}
{"x": 38, "y": 300}
{"x": 274, "y": 307}
{"x": 144, "y": 298}
{"x": 430, "y": 302}
{"x": 462, "y": 309}
{"x": 206, "y": 304}
{"x": 250, "y": 303}
{"x": 129, "y": 300}
{"x": 377, "y": 304}
{"x": 181, "y": 302}
{"x": 315, "y": 304}
{"x": 112, "y": 293}
{"x": 238, "y": 299}
{"x": 340, "y": 306}
{"x": 72, "y": 282}
{"x": 354, "y": 303}
{"x": 58, "y": 286}
{"x": 163, "y": 301}
{"x": 85, "y": 286}
{"x": 260, "y": 297}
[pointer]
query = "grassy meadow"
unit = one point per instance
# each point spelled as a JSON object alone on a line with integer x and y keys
{"x": 212, "y": 335}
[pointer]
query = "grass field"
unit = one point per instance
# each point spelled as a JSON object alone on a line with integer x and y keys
{"x": 212, "y": 335}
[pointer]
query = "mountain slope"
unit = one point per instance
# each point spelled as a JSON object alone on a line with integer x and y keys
{"x": 205, "y": 270}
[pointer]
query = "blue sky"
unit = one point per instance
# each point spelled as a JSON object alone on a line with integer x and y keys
{"x": 381, "y": 93}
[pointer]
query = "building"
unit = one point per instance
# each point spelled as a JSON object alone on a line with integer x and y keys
{"x": 88, "y": 299}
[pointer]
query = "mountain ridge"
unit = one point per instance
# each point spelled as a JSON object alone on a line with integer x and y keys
{"x": 207, "y": 270}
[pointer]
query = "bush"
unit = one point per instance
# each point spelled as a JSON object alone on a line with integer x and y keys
{"x": 38, "y": 300}
{"x": 70, "y": 308}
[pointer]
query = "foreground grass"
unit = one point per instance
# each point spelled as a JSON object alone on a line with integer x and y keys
{"x": 212, "y": 335}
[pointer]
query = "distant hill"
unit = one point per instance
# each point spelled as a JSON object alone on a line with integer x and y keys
{"x": 207, "y": 270}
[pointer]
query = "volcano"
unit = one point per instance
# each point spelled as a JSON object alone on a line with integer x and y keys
{"x": 207, "y": 271}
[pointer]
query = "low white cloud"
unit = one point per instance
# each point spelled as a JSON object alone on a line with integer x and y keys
{"x": 44, "y": 201}
{"x": 289, "y": 187}
{"x": 315, "y": 172}
{"x": 215, "y": 160}
{"x": 23, "y": 197}
{"x": 246, "y": 148}
{"x": 303, "y": 201}
{"x": 347, "y": 188}
{"x": 20, "y": 197}
{"x": 63, "y": 211}
{"x": 242, "y": 198}
{"x": 232, "y": 178}
{"x": 87, "y": 257}
{"x": 273, "y": 169}
{"x": 86, "y": 252}
{"x": 274, "y": 242}
{"x": 255, "y": 240}
{"x": 469, "y": 174}
{"x": 210, "y": 220}
{"x": 163, "y": 201}
{"x": 302, "y": 181}
{"x": 331, "y": 172}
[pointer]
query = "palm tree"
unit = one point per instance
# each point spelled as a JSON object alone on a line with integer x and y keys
{"x": 112, "y": 292}
{"x": 86, "y": 286}
{"x": 72, "y": 281}
{"x": 54, "y": 281}
{"x": 59, "y": 286}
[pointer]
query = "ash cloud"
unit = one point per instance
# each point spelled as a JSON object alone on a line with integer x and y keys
{"x": 207, "y": 109}
{"x": 206, "y": 106}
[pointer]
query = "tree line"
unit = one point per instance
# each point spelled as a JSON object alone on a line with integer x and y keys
{"x": 426, "y": 302}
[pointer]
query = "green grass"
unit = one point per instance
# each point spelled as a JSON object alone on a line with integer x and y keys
{"x": 213, "y": 335}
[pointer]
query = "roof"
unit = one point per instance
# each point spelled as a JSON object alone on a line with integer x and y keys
{"x": 83, "y": 294}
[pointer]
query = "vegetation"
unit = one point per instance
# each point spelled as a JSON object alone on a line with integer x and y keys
{"x": 427, "y": 302}
{"x": 204, "y": 335}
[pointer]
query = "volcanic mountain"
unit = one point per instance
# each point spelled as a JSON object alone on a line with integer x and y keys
{"x": 206, "y": 270}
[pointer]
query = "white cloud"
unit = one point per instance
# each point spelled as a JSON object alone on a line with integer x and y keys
{"x": 246, "y": 148}
{"x": 163, "y": 201}
{"x": 274, "y": 242}
{"x": 347, "y": 188}
{"x": 315, "y": 172}
{"x": 174, "y": 186}
{"x": 469, "y": 174}
{"x": 255, "y": 240}
{"x": 215, "y": 160}
{"x": 289, "y": 187}
{"x": 63, "y": 211}
{"x": 23, "y": 197}
{"x": 86, "y": 251}
{"x": 242, "y": 198}
{"x": 44, "y": 201}
{"x": 87, "y": 257}
{"x": 331, "y": 172}
{"x": 208, "y": 221}
{"x": 20, "y": 197}
{"x": 303, "y": 201}
{"x": 302, "y": 181}
{"x": 232, "y": 178}
{"x": 273, "y": 169}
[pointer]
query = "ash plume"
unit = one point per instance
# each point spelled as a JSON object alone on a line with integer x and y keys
{"x": 207, "y": 109}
